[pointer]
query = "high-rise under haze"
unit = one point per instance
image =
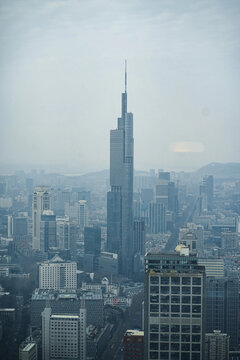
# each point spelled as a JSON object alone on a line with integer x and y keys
{"x": 174, "y": 306}
{"x": 41, "y": 202}
{"x": 120, "y": 198}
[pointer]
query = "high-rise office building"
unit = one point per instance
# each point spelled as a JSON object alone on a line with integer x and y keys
{"x": 213, "y": 266}
{"x": 217, "y": 346}
{"x": 92, "y": 240}
{"x": 165, "y": 192}
{"x": 17, "y": 226}
{"x": 92, "y": 248}
{"x": 41, "y": 202}
{"x": 57, "y": 274}
{"x": 82, "y": 214}
{"x": 48, "y": 231}
{"x": 120, "y": 198}
{"x": 63, "y": 335}
{"x": 174, "y": 306}
{"x": 139, "y": 235}
{"x": 66, "y": 234}
{"x": 209, "y": 190}
{"x": 161, "y": 188}
{"x": 157, "y": 217}
{"x": 222, "y": 306}
{"x": 206, "y": 195}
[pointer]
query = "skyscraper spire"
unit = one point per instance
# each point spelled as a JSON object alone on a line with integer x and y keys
{"x": 125, "y": 76}
{"x": 120, "y": 198}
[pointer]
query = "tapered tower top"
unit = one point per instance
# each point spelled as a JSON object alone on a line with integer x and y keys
{"x": 125, "y": 76}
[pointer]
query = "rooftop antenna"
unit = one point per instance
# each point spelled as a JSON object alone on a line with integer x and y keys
{"x": 125, "y": 76}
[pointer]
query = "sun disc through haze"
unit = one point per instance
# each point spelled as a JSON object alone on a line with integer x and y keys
{"x": 186, "y": 147}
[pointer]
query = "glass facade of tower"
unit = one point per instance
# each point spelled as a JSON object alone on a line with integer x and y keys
{"x": 120, "y": 198}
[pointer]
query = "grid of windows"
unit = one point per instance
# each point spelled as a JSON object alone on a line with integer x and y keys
{"x": 175, "y": 302}
{"x": 57, "y": 276}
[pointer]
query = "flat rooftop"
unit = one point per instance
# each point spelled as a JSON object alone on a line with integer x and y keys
{"x": 28, "y": 347}
{"x": 134, "y": 333}
{"x": 75, "y": 317}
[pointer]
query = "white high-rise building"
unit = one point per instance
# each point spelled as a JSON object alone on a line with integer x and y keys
{"x": 63, "y": 335}
{"x": 58, "y": 274}
{"x": 41, "y": 202}
{"x": 82, "y": 214}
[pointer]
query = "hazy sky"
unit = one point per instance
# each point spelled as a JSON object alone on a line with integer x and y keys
{"x": 62, "y": 74}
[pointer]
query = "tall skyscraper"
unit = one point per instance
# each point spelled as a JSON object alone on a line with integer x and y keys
{"x": 139, "y": 235}
{"x": 157, "y": 217}
{"x": 120, "y": 198}
{"x": 206, "y": 194}
{"x": 222, "y": 306}
{"x": 41, "y": 202}
{"x": 174, "y": 306}
{"x": 92, "y": 240}
{"x": 66, "y": 235}
{"x": 92, "y": 248}
{"x": 48, "y": 231}
{"x": 82, "y": 214}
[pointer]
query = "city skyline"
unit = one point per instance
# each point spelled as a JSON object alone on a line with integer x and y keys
{"x": 184, "y": 70}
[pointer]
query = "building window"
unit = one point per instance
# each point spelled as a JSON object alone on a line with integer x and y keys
{"x": 154, "y": 298}
{"x": 164, "y": 337}
{"x": 175, "y": 299}
{"x": 196, "y": 281}
{"x": 175, "y": 337}
{"x": 186, "y": 299}
{"x": 186, "y": 290}
{"x": 175, "y": 280}
{"x": 186, "y": 280}
{"x": 154, "y": 328}
{"x": 196, "y": 329}
{"x": 154, "y": 280}
{"x": 165, "y": 289}
{"x": 175, "y": 308}
{"x": 165, "y": 280}
{"x": 164, "y": 328}
{"x": 154, "y": 289}
{"x": 175, "y": 289}
{"x": 196, "y": 290}
{"x": 164, "y": 355}
{"x": 164, "y": 298}
{"x": 164, "y": 346}
{"x": 154, "y": 307}
{"x": 153, "y": 355}
{"x": 196, "y": 299}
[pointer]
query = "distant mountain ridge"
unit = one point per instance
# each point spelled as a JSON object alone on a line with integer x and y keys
{"x": 220, "y": 170}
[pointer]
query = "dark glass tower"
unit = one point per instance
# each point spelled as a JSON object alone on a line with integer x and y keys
{"x": 120, "y": 198}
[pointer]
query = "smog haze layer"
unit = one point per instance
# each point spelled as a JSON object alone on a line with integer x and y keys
{"x": 62, "y": 72}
